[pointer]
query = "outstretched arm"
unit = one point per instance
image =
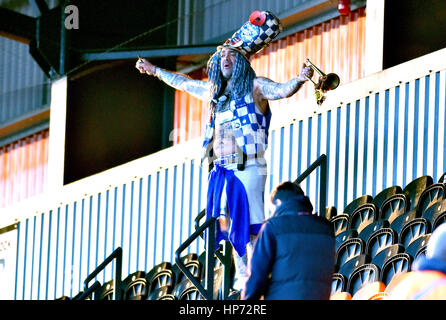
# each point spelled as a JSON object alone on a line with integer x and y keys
{"x": 267, "y": 89}
{"x": 197, "y": 88}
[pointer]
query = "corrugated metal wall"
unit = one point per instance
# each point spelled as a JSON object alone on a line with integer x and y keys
{"x": 24, "y": 91}
{"x": 205, "y": 20}
{"x": 390, "y": 129}
{"x": 24, "y": 88}
{"x": 337, "y": 45}
{"x": 23, "y": 168}
{"x": 148, "y": 216}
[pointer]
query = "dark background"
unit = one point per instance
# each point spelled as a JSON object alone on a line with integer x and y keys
{"x": 413, "y": 28}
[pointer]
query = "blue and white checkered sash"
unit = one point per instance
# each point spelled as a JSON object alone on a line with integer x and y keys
{"x": 237, "y": 203}
{"x": 249, "y": 125}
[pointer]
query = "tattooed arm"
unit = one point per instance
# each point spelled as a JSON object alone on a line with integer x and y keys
{"x": 197, "y": 88}
{"x": 267, "y": 89}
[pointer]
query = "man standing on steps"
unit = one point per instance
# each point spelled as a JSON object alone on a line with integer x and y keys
{"x": 236, "y": 134}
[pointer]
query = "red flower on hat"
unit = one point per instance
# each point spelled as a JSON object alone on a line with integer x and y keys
{"x": 257, "y": 18}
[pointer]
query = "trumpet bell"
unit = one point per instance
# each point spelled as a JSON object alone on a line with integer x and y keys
{"x": 328, "y": 82}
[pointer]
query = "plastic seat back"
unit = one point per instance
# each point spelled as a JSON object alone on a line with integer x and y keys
{"x": 414, "y": 229}
{"x": 439, "y": 220}
{"x": 339, "y": 283}
{"x": 431, "y": 195}
{"x": 353, "y": 205}
{"x": 185, "y": 290}
{"x": 363, "y": 275}
{"x": 348, "y": 250}
{"x": 397, "y": 264}
{"x": 340, "y": 223}
{"x": 380, "y": 240}
{"x": 162, "y": 293}
{"x": 160, "y": 275}
{"x": 344, "y": 236}
{"x": 363, "y": 216}
{"x": 394, "y": 206}
{"x": 385, "y": 194}
{"x": 135, "y": 286}
{"x": 415, "y": 188}
{"x": 192, "y": 264}
{"x": 106, "y": 291}
{"x": 415, "y": 248}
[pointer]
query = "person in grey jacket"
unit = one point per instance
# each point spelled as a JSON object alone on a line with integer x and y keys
{"x": 293, "y": 258}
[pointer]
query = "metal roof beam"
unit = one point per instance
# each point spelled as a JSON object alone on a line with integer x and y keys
{"x": 17, "y": 26}
{"x": 41, "y": 5}
{"x": 150, "y": 53}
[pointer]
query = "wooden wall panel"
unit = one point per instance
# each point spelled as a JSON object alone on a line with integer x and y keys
{"x": 23, "y": 168}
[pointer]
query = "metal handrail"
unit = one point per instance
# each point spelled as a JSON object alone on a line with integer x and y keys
{"x": 225, "y": 257}
{"x": 95, "y": 286}
{"x": 207, "y": 292}
{"x": 116, "y": 254}
{"x": 322, "y": 162}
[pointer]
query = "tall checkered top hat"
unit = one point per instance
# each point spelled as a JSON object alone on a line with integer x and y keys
{"x": 255, "y": 34}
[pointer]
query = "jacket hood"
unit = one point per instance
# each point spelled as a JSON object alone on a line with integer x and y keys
{"x": 297, "y": 204}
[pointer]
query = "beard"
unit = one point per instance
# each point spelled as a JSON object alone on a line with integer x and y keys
{"x": 226, "y": 74}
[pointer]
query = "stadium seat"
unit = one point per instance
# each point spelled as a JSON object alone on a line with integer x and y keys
{"x": 349, "y": 249}
{"x": 415, "y": 248}
{"x": 364, "y": 274}
{"x": 353, "y": 205}
{"x": 363, "y": 217}
{"x": 394, "y": 206}
{"x": 344, "y": 236}
{"x": 434, "y": 211}
{"x": 330, "y": 212}
{"x": 185, "y": 290}
{"x": 415, "y": 188}
{"x": 383, "y": 195}
{"x": 414, "y": 229}
{"x": 339, "y": 283}
{"x": 135, "y": 286}
{"x": 430, "y": 196}
{"x": 396, "y": 211}
{"x": 439, "y": 220}
{"x": 421, "y": 251}
{"x": 350, "y": 255}
{"x": 340, "y": 223}
{"x": 397, "y": 264}
{"x": 192, "y": 264}
{"x": 162, "y": 293}
{"x": 106, "y": 291}
{"x": 160, "y": 275}
{"x": 370, "y": 291}
{"x": 379, "y": 240}
{"x": 373, "y": 227}
{"x": 349, "y": 266}
{"x": 385, "y": 254}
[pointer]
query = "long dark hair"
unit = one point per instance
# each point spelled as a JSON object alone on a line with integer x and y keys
{"x": 242, "y": 76}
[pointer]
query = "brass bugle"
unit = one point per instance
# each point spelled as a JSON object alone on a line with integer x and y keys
{"x": 326, "y": 82}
